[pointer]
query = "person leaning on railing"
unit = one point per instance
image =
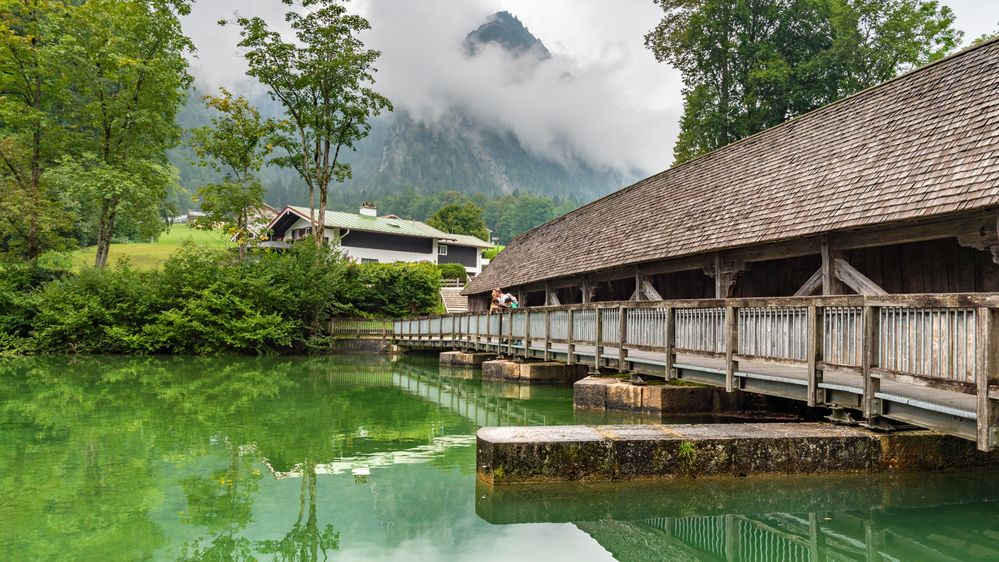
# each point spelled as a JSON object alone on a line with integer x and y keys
{"x": 498, "y": 301}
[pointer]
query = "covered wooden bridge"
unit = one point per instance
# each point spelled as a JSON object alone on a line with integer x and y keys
{"x": 849, "y": 257}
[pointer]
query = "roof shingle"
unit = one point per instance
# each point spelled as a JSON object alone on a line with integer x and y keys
{"x": 923, "y": 144}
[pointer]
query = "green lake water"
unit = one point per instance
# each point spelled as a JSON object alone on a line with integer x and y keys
{"x": 372, "y": 458}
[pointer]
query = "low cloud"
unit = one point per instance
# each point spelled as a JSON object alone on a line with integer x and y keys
{"x": 600, "y": 98}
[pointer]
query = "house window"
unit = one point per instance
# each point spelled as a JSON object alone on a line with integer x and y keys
{"x": 442, "y": 249}
{"x": 368, "y": 260}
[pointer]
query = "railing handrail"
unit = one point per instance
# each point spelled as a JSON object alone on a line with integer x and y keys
{"x": 915, "y": 300}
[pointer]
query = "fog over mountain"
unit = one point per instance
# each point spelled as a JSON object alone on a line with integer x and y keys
{"x": 553, "y": 97}
{"x": 482, "y": 103}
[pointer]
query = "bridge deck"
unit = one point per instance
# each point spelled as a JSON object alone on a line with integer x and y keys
{"x": 928, "y": 360}
{"x": 952, "y": 410}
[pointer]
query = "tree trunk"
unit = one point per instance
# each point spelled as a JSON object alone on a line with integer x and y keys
{"x": 105, "y": 229}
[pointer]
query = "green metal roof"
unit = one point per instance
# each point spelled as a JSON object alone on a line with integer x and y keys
{"x": 466, "y": 240}
{"x": 390, "y": 225}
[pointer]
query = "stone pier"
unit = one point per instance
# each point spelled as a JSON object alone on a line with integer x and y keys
{"x": 539, "y": 454}
{"x": 465, "y": 358}
{"x": 620, "y": 395}
{"x": 548, "y": 372}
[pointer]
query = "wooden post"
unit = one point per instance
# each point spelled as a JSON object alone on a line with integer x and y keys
{"x": 868, "y": 353}
{"x": 499, "y": 333}
{"x": 509, "y": 332}
{"x": 527, "y": 333}
{"x": 719, "y": 282}
{"x": 571, "y": 349}
{"x": 599, "y": 325}
{"x": 816, "y": 324}
{"x": 986, "y": 374}
{"x": 586, "y": 292}
{"x": 670, "y": 343}
{"x": 731, "y": 346}
{"x": 830, "y": 284}
{"x": 622, "y": 336}
{"x": 548, "y": 335}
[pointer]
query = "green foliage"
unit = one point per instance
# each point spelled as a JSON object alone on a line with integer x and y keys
{"x": 491, "y": 253}
{"x": 748, "y": 66}
{"x": 203, "y": 301}
{"x": 394, "y": 290}
{"x": 322, "y": 79}
{"x": 126, "y": 62}
{"x": 464, "y": 218}
{"x": 452, "y": 271}
{"x": 235, "y": 145}
{"x": 32, "y": 218}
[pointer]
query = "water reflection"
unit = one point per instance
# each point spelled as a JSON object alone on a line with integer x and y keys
{"x": 908, "y": 517}
{"x": 367, "y": 458}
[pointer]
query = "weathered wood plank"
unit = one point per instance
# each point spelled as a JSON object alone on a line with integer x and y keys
{"x": 813, "y": 284}
{"x": 650, "y": 291}
{"x": 731, "y": 347}
{"x": 816, "y": 324}
{"x": 988, "y": 374}
{"x": 857, "y": 280}
{"x": 868, "y": 347}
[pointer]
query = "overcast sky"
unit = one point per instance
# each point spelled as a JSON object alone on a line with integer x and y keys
{"x": 602, "y": 97}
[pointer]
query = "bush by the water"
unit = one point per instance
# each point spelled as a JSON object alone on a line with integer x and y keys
{"x": 204, "y": 301}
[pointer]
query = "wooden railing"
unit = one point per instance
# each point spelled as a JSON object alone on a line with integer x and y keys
{"x": 940, "y": 341}
{"x": 361, "y": 328}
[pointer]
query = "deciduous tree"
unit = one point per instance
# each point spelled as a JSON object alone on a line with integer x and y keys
{"x": 126, "y": 62}
{"x": 751, "y": 64}
{"x": 323, "y": 79}
{"x": 463, "y": 218}
{"x": 235, "y": 145}
{"x": 32, "y": 220}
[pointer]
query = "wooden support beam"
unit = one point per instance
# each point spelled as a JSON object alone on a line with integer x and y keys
{"x": 731, "y": 346}
{"x": 856, "y": 280}
{"x": 816, "y": 324}
{"x": 650, "y": 291}
{"x": 509, "y": 332}
{"x": 587, "y": 289}
{"x": 622, "y": 337}
{"x": 868, "y": 357}
{"x": 597, "y": 333}
{"x": 830, "y": 286}
{"x": 551, "y": 296}
{"x": 813, "y": 284}
{"x": 571, "y": 348}
{"x": 527, "y": 333}
{"x": 725, "y": 273}
{"x": 670, "y": 343}
{"x": 548, "y": 335}
{"x": 987, "y": 373}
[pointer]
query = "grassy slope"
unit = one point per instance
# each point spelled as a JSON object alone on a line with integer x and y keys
{"x": 152, "y": 255}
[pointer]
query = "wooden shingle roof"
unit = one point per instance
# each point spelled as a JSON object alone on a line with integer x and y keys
{"x": 923, "y": 144}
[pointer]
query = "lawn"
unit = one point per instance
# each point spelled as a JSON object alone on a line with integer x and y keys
{"x": 152, "y": 255}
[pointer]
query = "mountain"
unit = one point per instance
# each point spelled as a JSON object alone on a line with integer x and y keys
{"x": 454, "y": 152}
{"x": 505, "y": 30}
{"x": 457, "y": 152}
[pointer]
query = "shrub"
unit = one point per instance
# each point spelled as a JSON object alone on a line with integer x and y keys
{"x": 452, "y": 271}
{"x": 205, "y": 301}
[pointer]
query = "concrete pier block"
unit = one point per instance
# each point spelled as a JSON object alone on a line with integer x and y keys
{"x": 620, "y": 395}
{"x": 536, "y": 454}
{"x": 465, "y": 358}
{"x": 533, "y": 373}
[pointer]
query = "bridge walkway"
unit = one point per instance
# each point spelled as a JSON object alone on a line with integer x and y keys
{"x": 930, "y": 362}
